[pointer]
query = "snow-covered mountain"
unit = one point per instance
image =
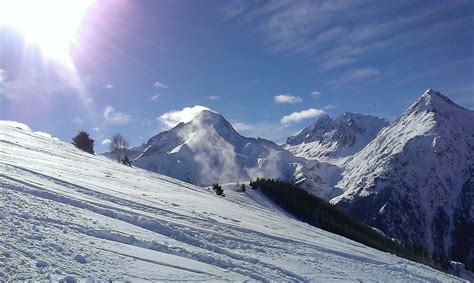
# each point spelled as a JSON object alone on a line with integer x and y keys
{"x": 332, "y": 140}
{"x": 208, "y": 150}
{"x": 66, "y": 214}
{"x": 415, "y": 180}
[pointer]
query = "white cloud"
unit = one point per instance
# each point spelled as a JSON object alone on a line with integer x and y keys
{"x": 106, "y": 141}
{"x": 298, "y": 116}
{"x": 3, "y": 75}
{"x": 78, "y": 120}
{"x": 154, "y": 97}
{"x": 172, "y": 118}
{"x": 97, "y": 129}
{"x": 108, "y": 86}
{"x": 286, "y": 98}
{"x": 34, "y": 83}
{"x": 214, "y": 97}
{"x": 316, "y": 94}
{"x": 157, "y": 84}
{"x": 115, "y": 117}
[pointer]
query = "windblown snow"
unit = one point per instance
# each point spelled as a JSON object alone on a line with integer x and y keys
{"x": 208, "y": 150}
{"x": 65, "y": 214}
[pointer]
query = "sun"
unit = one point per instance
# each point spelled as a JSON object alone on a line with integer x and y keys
{"x": 51, "y": 25}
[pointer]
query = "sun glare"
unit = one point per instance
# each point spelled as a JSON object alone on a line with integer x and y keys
{"x": 52, "y": 26}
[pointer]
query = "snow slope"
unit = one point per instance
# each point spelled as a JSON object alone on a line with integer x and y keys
{"x": 332, "y": 140}
{"x": 65, "y": 213}
{"x": 415, "y": 180}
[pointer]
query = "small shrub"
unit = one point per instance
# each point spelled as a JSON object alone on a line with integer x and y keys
{"x": 218, "y": 189}
{"x": 84, "y": 142}
{"x": 126, "y": 161}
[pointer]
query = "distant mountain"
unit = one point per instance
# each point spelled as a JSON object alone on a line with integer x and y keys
{"x": 415, "y": 180}
{"x": 330, "y": 140}
{"x": 208, "y": 149}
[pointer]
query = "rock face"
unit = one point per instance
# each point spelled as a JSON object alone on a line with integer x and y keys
{"x": 330, "y": 140}
{"x": 208, "y": 150}
{"x": 414, "y": 181}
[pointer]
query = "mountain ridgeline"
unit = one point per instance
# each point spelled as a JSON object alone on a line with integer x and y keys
{"x": 329, "y": 139}
{"x": 208, "y": 150}
{"x": 411, "y": 178}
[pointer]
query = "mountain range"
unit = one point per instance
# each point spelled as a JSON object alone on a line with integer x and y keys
{"x": 412, "y": 178}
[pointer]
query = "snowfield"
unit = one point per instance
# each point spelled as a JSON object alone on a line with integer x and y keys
{"x": 66, "y": 214}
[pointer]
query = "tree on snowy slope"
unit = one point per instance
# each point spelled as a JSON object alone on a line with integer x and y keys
{"x": 218, "y": 189}
{"x": 84, "y": 142}
{"x": 118, "y": 147}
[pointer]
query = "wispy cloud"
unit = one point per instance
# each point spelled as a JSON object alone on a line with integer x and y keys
{"x": 3, "y": 75}
{"x": 269, "y": 130}
{"x": 33, "y": 84}
{"x": 78, "y": 120}
{"x": 330, "y": 107}
{"x": 316, "y": 94}
{"x": 158, "y": 84}
{"x": 154, "y": 97}
{"x": 298, "y": 116}
{"x": 214, "y": 97}
{"x": 113, "y": 116}
{"x": 335, "y": 33}
{"x": 108, "y": 86}
{"x": 105, "y": 142}
{"x": 286, "y": 98}
{"x": 357, "y": 75}
{"x": 172, "y": 118}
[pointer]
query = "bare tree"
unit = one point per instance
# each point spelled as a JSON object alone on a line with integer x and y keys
{"x": 118, "y": 147}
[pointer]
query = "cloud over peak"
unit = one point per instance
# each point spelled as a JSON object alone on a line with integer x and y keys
{"x": 172, "y": 118}
{"x": 298, "y": 116}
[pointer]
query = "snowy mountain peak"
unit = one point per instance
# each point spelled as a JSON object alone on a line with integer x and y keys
{"x": 332, "y": 139}
{"x": 207, "y": 150}
{"x": 413, "y": 180}
{"x": 433, "y": 101}
{"x": 210, "y": 117}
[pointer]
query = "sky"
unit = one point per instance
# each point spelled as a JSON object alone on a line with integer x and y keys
{"x": 269, "y": 67}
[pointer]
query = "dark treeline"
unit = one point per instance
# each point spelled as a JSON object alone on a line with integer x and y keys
{"x": 319, "y": 213}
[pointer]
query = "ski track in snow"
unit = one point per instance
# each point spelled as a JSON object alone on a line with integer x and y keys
{"x": 67, "y": 213}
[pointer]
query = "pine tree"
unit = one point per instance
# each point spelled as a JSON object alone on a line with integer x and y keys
{"x": 218, "y": 189}
{"x": 84, "y": 142}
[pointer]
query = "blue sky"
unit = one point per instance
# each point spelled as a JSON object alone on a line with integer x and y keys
{"x": 270, "y": 67}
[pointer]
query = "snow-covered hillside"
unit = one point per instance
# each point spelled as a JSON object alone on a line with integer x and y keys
{"x": 332, "y": 140}
{"x": 415, "y": 180}
{"x": 67, "y": 214}
{"x": 208, "y": 150}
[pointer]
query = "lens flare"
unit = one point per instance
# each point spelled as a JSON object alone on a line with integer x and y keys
{"x": 52, "y": 26}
